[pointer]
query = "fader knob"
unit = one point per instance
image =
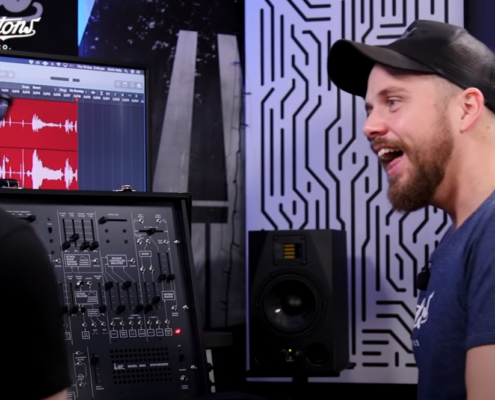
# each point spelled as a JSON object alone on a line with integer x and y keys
{"x": 148, "y": 308}
{"x": 155, "y": 299}
{"x": 120, "y": 309}
{"x": 74, "y": 310}
{"x": 65, "y": 309}
{"x": 170, "y": 277}
{"x": 108, "y": 285}
{"x": 94, "y": 245}
{"x": 102, "y": 309}
{"x": 65, "y": 245}
{"x": 85, "y": 245}
{"x": 162, "y": 277}
{"x": 94, "y": 359}
{"x": 126, "y": 285}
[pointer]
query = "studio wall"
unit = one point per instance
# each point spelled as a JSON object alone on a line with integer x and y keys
{"x": 308, "y": 165}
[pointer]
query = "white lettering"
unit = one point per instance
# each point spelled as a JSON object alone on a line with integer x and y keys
{"x": 11, "y": 28}
{"x": 422, "y": 312}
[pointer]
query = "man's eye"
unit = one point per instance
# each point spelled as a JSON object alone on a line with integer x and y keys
{"x": 392, "y": 102}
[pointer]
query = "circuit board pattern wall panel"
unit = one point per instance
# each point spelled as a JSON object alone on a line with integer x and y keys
{"x": 308, "y": 165}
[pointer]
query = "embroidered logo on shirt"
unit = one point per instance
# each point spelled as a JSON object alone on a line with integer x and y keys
{"x": 422, "y": 312}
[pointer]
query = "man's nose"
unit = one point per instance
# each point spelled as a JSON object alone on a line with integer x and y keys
{"x": 374, "y": 126}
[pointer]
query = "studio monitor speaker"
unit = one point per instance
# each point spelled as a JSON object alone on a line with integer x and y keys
{"x": 298, "y": 306}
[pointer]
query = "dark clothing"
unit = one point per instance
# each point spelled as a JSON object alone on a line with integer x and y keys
{"x": 36, "y": 366}
{"x": 457, "y": 311}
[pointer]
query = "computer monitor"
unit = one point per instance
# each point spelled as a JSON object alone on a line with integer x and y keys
{"x": 74, "y": 123}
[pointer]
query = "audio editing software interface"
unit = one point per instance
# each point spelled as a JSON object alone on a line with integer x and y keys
{"x": 73, "y": 126}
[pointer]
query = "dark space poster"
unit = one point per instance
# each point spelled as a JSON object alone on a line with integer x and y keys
{"x": 211, "y": 168}
{"x": 145, "y": 31}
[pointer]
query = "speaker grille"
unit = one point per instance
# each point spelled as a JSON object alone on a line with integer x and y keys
{"x": 140, "y": 365}
{"x": 291, "y": 304}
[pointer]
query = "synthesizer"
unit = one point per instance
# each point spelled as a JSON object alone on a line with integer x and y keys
{"x": 124, "y": 266}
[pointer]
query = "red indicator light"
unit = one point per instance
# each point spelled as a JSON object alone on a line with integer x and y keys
{"x": 178, "y": 331}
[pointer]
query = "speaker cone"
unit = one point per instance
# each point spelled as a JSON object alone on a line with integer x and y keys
{"x": 290, "y": 304}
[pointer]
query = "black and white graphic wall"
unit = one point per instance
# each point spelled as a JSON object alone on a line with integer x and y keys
{"x": 308, "y": 164}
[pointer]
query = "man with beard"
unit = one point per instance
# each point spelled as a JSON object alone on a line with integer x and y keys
{"x": 35, "y": 357}
{"x": 430, "y": 103}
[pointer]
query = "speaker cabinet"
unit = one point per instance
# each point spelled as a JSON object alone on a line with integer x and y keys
{"x": 298, "y": 303}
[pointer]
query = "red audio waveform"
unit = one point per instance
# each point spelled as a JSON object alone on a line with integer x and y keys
{"x": 40, "y": 124}
{"x": 40, "y": 169}
{"x": 39, "y": 143}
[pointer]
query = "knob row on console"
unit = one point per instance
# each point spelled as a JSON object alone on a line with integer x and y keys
{"x": 127, "y": 284}
{"x": 84, "y": 245}
{"x": 119, "y": 310}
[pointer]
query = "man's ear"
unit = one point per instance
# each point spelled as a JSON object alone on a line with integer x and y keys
{"x": 472, "y": 104}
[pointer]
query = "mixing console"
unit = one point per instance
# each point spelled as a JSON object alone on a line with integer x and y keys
{"x": 125, "y": 272}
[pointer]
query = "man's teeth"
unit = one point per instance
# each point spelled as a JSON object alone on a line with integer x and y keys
{"x": 382, "y": 152}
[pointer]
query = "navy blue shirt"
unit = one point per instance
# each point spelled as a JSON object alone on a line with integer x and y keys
{"x": 457, "y": 311}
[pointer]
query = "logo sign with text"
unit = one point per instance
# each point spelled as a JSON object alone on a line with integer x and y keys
{"x": 13, "y": 26}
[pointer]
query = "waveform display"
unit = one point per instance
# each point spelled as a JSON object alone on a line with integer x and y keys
{"x": 40, "y": 124}
{"x": 40, "y": 169}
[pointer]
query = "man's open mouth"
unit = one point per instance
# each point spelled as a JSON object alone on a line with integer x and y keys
{"x": 391, "y": 159}
{"x": 387, "y": 155}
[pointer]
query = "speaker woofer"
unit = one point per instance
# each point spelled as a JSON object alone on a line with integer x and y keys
{"x": 291, "y": 304}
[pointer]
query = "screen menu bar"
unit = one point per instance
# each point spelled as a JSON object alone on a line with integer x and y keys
{"x": 71, "y": 65}
{"x": 83, "y": 79}
{"x": 69, "y": 94}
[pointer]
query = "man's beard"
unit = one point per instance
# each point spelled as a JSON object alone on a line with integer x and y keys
{"x": 428, "y": 171}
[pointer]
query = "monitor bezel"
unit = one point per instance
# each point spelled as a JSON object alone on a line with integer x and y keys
{"x": 106, "y": 63}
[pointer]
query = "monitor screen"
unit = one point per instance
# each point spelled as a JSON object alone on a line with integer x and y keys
{"x": 73, "y": 124}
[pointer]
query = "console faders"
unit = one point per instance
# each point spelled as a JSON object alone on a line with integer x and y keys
{"x": 128, "y": 307}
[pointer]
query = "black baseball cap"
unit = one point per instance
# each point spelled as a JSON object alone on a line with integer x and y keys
{"x": 426, "y": 47}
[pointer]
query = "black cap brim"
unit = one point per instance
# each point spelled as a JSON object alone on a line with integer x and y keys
{"x": 350, "y": 64}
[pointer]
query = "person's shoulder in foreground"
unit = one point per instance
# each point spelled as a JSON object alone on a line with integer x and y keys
{"x": 430, "y": 102}
{"x": 37, "y": 367}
